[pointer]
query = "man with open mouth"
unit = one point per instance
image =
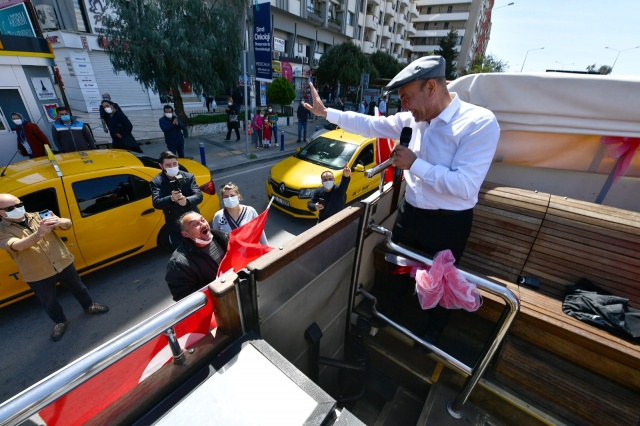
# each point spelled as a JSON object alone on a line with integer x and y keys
{"x": 194, "y": 264}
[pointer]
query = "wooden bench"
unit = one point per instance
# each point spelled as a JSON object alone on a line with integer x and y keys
{"x": 559, "y": 241}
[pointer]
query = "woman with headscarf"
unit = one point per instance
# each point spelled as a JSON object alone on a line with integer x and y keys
{"x": 31, "y": 140}
{"x": 120, "y": 128}
{"x": 234, "y": 214}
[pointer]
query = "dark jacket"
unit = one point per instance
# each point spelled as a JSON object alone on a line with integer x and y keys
{"x": 372, "y": 108}
{"x": 232, "y": 117}
{"x": 161, "y": 197}
{"x": 118, "y": 123}
{"x": 334, "y": 200}
{"x": 303, "y": 114}
{"x": 191, "y": 268}
{"x": 35, "y": 139}
{"x": 75, "y": 136}
{"x": 173, "y": 135}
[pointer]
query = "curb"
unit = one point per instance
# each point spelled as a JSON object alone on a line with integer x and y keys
{"x": 250, "y": 160}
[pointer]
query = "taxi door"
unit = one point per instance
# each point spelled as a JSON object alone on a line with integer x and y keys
{"x": 360, "y": 184}
{"x": 37, "y": 196}
{"x": 112, "y": 214}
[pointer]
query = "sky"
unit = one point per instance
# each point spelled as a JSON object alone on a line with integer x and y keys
{"x": 574, "y": 34}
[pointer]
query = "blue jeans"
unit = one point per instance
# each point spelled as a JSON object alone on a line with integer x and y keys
{"x": 45, "y": 290}
{"x": 302, "y": 125}
{"x": 256, "y": 137}
{"x": 274, "y": 134}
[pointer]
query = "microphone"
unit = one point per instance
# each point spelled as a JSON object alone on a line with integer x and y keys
{"x": 380, "y": 167}
{"x": 405, "y": 138}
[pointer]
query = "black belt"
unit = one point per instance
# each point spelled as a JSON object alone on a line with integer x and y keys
{"x": 428, "y": 212}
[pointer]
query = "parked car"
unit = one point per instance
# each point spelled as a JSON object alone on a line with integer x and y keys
{"x": 293, "y": 179}
{"x": 106, "y": 194}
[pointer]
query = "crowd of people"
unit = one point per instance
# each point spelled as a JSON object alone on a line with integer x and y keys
{"x": 451, "y": 148}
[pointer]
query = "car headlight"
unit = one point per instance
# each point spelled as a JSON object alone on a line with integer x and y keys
{"x": 306, "y": 193}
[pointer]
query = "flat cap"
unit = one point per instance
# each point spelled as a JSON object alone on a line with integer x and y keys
{"x": 420, "y": 69}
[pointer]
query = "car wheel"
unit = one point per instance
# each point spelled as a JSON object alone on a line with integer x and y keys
{"x": 163, "y": 239}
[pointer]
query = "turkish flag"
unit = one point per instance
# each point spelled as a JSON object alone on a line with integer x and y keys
{"x": 383, "y": 150}
{"x": 244, "y": 245}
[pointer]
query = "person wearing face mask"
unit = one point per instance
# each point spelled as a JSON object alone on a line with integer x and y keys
{"x": 174, "y": 192}
{"x": 174, "y": 130}
{"x": 103, "y": 114}
{"x": 43, "y": 259}
{"x": 120, "y": 128}
{"x": 234, "y": 214}
{"x": 70, "y": 134}
{"x": 31, "y": 140}
{"x": 272, "y": 116}
{"x": 257, "y": 123}
{"x": 194, "y": 264}
{"x": 330, "y": 198}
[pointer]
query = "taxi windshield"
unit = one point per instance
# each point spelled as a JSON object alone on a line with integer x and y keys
{"x": 328, "y": 152}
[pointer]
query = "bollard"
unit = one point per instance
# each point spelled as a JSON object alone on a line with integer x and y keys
{"x": 203, "y": 160}
{"x": 317, "y": 128}
{"x": 282, "y": 140}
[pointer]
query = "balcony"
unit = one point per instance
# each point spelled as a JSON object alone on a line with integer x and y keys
{"x": 368, "y": 47}
{"x": 389, "y": 10}
{"x": 399, "y": 39}
{"x": 334, "y": 23}
{"x": 408, "y": 45}
{"x": 404, "y": 2}
{"x": 386, "y": 32}
{"x": 377, "y": 2}
{"x": 401, "y": 20}
{"x": 371, "y": 21}
{"x": 315, "y": 15}
{"x": 385, "y": 45}
{"x": 411, "y": 29}
{"x": 413, "y": 11}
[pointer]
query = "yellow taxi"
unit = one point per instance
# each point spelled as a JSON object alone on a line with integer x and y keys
{"x": 106, "y": 194}
{"x": 292, "y": 181}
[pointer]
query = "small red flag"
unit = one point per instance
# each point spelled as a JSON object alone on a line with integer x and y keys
{"x": 383, "y": 150}
{"x": 244, "y": 245}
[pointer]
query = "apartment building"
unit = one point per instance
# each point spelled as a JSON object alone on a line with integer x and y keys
{"x": 470, "y": 18}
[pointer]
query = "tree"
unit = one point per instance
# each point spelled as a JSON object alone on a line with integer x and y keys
{"x": 343, "y": 64}
{"x": 386, "y": 64}
{"x": 603, "y": 69}
{"x": 487, "y": 64}
{"x": 280, "y": 91}
{"x": 449, "y": 53}
{"x": 164, "y": 43}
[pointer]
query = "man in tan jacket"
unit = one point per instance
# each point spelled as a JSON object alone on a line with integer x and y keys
{"x": 43, "y": 259}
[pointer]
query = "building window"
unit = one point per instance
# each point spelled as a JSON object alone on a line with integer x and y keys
{"x": 429, "y": 10}
{"x": 80, "y": 19}
{"x": 446, "y": 25}
{"x": 426, "y": 26}
{"x": 350, "y": 18}
{"x": 449, "y": 9}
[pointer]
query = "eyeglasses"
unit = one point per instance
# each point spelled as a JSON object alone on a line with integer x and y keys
{"x": 11, "y": 208}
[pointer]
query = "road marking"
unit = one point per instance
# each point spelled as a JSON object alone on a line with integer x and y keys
{"x": 269, "y": 164}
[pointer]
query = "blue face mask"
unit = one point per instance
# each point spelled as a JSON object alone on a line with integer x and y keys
{"x": 65, "y": 117}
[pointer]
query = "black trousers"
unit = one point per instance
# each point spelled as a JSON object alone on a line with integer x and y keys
{"x": 429, "y": 231}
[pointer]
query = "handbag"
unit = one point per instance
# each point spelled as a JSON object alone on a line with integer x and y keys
{"x": 131, "y": 144}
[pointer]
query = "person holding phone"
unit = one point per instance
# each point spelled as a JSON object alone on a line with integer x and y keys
{"x": 43, "y": 259}
{"x": 330, "y": 198}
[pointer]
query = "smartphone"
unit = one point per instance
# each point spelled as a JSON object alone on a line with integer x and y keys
{"x": 321, "y": 201}
{"x": 45, "y": 214}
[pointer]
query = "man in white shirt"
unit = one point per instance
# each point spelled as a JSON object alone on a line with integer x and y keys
{"x": 451, "y": 149}
{"x": 382, "y": 106}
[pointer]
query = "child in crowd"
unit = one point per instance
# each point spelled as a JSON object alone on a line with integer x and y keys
{"x": 266, "y": 133}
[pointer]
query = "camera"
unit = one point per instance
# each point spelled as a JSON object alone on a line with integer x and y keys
{"x": 321, "y": 201}
{"x": 176, "y": 185}
{"x": 45, "y": 214}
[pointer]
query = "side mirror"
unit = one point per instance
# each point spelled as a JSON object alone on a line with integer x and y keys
{"x": 358, "y": 168}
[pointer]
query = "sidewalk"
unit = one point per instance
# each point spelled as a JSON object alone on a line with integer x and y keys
{"x": 220, "y": 155}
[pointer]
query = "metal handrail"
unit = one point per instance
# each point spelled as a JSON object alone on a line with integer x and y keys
{"x": 30, "y": 401}
{"x": 512, "y": 306}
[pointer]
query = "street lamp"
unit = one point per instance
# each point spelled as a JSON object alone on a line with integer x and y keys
{"x": 619, "y": 52}
{"x": 525, "y": 56}
{"x": 505, "y": 5}
{"x": 563, "y": 65}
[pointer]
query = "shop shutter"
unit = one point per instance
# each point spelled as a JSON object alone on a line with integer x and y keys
{"x": 124, "y": 89}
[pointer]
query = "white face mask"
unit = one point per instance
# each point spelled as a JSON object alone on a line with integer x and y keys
{"x": 172, "y": 171}
{"x": 168, "y": 114}
{"x": 18, "y": 122}
{"x": 17, "y": 213}
{"x": 108, "y": 110}
{"x": 231, "y": 202}
{"x": 327, "y": 184}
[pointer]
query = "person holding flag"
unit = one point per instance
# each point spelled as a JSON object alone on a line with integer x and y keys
{"x": 234, "y": 214}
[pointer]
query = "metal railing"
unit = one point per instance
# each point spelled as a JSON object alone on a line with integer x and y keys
{"x": 512, "y": 306}
{"x": 30, "y": 401}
